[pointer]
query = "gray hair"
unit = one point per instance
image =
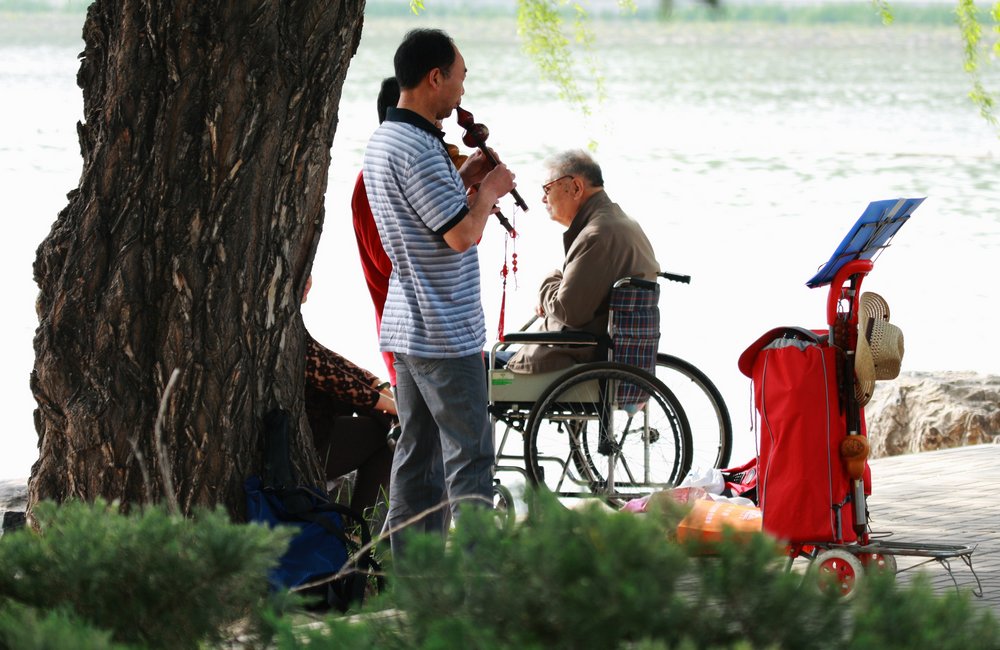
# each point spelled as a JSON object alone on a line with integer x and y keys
{"x": 577, "y": 162}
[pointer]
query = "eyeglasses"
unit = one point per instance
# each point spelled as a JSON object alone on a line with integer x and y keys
{"x": 548, "y": 186}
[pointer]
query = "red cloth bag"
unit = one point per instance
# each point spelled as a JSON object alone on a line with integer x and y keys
{"x": 802, "y": 485}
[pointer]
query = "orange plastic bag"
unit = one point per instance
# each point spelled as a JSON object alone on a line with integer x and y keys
{"x": 707, "y": 519}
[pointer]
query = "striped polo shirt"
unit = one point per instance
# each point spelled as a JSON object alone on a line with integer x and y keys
{"x": 433, "y": 308}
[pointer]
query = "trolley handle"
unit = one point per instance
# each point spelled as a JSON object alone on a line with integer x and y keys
{"x": 674, "y": 277}
{"x": 856, "y": 269}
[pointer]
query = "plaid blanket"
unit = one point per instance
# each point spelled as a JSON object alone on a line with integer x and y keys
{"x": 635, "y": 333}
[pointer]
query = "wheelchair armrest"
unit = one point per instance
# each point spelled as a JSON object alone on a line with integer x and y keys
{"x": 569, "y": 337}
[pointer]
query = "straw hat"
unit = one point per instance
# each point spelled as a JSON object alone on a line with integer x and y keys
{"x": 880, "y": 346}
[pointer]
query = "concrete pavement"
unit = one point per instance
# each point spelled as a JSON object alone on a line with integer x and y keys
{"x": 951, "y": 496}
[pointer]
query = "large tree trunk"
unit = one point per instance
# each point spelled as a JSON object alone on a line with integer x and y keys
{"x": 205, "y": 156}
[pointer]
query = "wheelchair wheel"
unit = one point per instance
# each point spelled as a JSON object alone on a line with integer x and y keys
{"x": 711, "y": 428}
{"x": 584, "y": 437}
{"x": 503, "y": 505}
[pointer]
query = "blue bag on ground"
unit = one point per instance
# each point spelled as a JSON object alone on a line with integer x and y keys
{"x": 321, "y": 547}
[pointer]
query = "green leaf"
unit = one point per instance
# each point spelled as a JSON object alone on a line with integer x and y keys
{"x": 884, "y": 11}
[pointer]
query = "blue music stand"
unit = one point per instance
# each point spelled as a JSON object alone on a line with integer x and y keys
{"x": 868, "y": 236}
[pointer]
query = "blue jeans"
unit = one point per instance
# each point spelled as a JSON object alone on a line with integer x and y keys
{"x": 442, "y": 407}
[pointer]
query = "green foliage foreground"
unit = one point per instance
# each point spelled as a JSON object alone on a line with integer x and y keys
{"x": 94, "y": 578}
{"x": 592, "y": 579}
{"x": 148, "y": 579}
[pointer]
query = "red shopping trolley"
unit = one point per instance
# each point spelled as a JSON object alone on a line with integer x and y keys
{"x": 813, "y": 478}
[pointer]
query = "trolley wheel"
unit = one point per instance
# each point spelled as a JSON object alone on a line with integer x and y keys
{"x": 880, "y": 563}
{"x": 583, "y": 438}
{"x": 711, "y": 427}
{"x": 836, "y": 571}
{"x": 503, "y": 505}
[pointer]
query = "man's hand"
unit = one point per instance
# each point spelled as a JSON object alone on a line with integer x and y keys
{"x": 475, "y": 168}
{"x": 470, "y": 195}
{"x": 497, "y": 182}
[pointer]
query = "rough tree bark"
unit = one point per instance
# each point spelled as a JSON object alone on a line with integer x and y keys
{"x": 206, "y": 147}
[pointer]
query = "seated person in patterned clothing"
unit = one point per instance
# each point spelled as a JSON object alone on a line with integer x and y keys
{"x": 350, "y": 415}
{"x": 602, "y": 245}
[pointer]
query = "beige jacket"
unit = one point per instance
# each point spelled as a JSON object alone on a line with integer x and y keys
{"x": 602, "y": 245}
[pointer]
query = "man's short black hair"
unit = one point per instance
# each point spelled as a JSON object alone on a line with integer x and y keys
{"x": 421, "y": 51}
{"x": 388, "y": 97}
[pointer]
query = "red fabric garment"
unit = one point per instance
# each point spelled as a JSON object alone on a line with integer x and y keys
{"x": 802, "y": 484}
{"x": 374, "y": 262}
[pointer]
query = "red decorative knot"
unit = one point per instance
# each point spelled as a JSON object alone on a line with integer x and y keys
{"x": 504, "y": 272}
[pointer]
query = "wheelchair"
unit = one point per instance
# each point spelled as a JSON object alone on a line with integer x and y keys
{"x": 606, "y": 429}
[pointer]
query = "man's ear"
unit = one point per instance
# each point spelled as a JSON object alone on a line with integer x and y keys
{"x": 435, "y": 77}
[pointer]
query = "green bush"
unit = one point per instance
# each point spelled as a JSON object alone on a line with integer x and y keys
{"x": 889, "y": 618}
{"x": 25, "y": 628}
{"x": 92, "y": 578}
{"x": 592, "y": 579}
{"x": 150, "y": 578}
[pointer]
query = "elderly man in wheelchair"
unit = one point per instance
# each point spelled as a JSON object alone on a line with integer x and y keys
{"x": 581, "y": 392}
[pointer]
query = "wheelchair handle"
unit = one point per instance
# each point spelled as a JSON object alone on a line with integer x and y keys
{"x": 636, "y": 282}
{"x": 674, "y": 277}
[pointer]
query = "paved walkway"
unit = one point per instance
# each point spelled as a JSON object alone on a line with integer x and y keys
{"x": 950, "y": 496}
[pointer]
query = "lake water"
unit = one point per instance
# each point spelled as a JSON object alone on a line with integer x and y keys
{"x": 745, "y": 150}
